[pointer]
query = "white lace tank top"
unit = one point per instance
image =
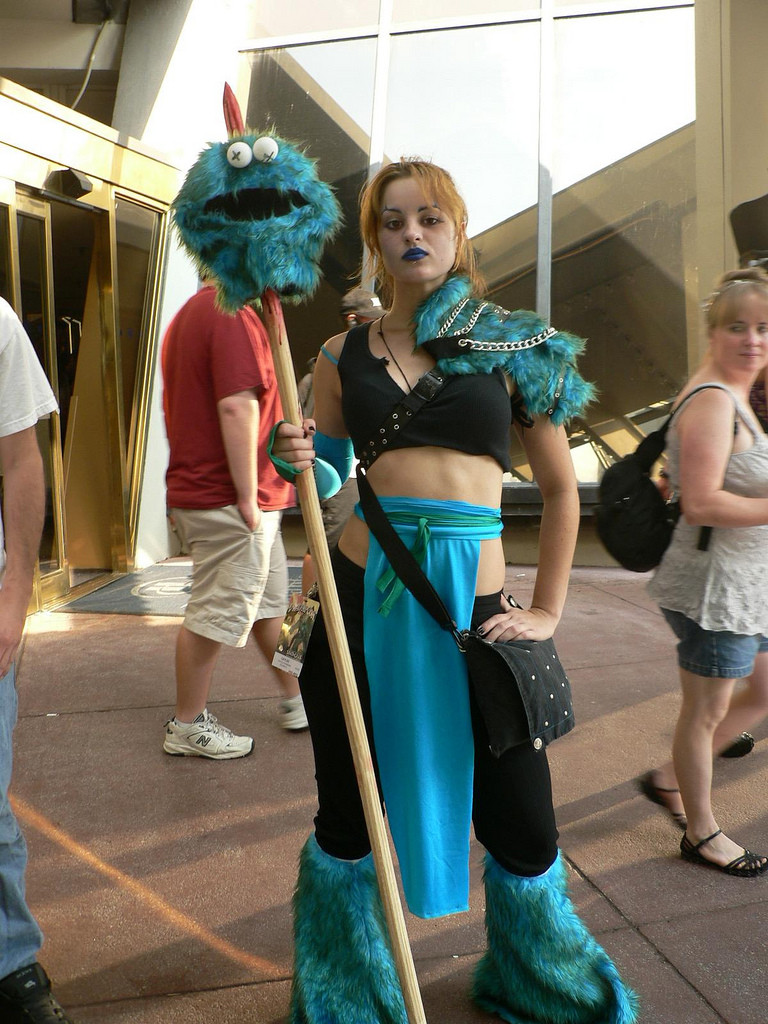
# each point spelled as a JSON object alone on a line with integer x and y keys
{"x": 726, "y": 586}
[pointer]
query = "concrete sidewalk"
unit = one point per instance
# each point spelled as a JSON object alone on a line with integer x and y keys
{"x": 163, "y": 884}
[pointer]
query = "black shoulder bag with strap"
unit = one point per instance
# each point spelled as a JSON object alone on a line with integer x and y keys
{"x": 633, "y": 521}
{"x": 521, "y": 688}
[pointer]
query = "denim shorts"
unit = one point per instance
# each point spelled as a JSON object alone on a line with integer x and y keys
{"x": 715, "y": 654}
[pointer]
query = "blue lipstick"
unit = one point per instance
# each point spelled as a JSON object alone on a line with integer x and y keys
{"x": 413, "y": 255}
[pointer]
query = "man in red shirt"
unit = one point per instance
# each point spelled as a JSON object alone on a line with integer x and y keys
{"x": 226, "y": 500}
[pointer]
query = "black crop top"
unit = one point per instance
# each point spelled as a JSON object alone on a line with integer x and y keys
{"x": 470, "y": 414}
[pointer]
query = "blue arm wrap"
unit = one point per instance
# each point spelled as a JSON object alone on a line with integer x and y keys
{"x": 333, "y": 464}
{"x": 284, "y": 469}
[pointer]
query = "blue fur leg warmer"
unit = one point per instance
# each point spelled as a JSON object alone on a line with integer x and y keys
{"x": 343, "y": 967}
{"x": 542, "y": 965}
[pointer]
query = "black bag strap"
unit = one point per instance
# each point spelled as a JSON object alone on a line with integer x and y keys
{"x": 695, "y": 391}
{"x": 652, "y": 447}
{"x": 705, "y": 532}
{"x": 423, "y": 391}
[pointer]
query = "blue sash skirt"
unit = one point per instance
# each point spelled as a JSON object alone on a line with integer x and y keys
{"x": 420, "y": 698}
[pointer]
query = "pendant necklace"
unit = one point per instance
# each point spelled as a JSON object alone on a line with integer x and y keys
{"x": 392, "y": 354}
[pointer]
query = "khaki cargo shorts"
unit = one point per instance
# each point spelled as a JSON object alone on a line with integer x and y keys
{"x": 238, "y": 576}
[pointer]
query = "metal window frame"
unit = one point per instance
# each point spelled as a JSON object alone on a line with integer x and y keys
{"x": 546, "y": 15}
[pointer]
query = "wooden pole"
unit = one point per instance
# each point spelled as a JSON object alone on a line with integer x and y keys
{"x": 342, "y": 662}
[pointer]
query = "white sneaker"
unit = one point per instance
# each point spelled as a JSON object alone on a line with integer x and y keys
{"x": 292, "y": 714}
{"x": 205, "y": 737}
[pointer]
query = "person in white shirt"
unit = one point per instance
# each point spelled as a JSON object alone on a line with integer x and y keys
{"x": 25, "y": 397}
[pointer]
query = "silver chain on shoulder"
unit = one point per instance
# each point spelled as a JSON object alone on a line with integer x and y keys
{"x": 507, "y": 346}
{"x": 489, "y": 346}
{"x": 452, "y": 316}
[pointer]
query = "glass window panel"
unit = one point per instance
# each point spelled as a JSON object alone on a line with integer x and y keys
{"x": 611, "y": 99}
{"x": 428, "y": 10}
{"x": 278, "y": 18}
{"x": 32, "y": 271}
{"x": 76, "y": 238}
{"x": 322, "y": 97}
{"x": 624, "y": 210}
{"x": 34, "y": 316}
{"x": 5, "y": 254}
{"x": 481, "y": 124}
{"x": 72, "y": 236}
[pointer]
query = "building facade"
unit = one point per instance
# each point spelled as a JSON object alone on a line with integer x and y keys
{"x": 600, "y": 147}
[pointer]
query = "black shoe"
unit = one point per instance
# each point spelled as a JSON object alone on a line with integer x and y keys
{"x": 740, "y": 746}
{"x": 25, "y": 998}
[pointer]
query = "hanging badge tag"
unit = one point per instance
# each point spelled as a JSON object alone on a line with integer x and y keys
{"x": 295, "y": 632}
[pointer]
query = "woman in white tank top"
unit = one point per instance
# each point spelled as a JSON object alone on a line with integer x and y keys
{"x": 715, "y": 597}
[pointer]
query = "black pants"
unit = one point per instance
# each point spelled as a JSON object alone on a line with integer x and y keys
{"x": 512, "y": 800}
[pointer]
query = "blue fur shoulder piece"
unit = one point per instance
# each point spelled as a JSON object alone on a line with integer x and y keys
{"x": 540, "y": 359}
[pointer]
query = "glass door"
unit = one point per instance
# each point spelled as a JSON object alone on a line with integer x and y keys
{"x": 89, "y": 389}
{"x": 36, "y": 309}
{"x": 6, "y": 287}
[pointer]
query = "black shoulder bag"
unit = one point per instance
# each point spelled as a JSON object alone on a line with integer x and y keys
{"x": 633, "y": 521}
{"x": 521, "y": 688}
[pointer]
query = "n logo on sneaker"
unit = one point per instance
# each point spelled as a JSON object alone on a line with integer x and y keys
{"x": 203, "y": 741}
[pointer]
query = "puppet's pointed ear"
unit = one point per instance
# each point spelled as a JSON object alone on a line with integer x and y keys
{"x": 232, "y": 115}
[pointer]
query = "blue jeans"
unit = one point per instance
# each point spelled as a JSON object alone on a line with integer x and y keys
{"x": 20, "y": 936}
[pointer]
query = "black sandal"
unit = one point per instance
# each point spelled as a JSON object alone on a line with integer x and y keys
{"x": 740, "y": 747}
{"x": 649, "y": 789}
{"x": 748, "y": 865}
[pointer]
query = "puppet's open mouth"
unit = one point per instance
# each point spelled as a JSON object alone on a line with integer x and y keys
{"x": 256, "y": 203}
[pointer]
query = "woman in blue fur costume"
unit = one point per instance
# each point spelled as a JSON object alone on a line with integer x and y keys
{"x": 439, "y": 482}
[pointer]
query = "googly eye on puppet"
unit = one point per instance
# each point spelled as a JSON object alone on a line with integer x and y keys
{"x": 239, "y": 154}
{"x": 253, "y": 214}
{"x": 265, "y": 149}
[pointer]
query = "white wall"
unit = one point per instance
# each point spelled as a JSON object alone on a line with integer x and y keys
{"x": 177, "y": 57}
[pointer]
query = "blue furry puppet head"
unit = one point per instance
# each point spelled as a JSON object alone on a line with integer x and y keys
{"x": 254, "y": 215}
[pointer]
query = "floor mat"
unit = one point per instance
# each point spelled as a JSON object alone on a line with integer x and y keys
{"x": 158, "y": 590}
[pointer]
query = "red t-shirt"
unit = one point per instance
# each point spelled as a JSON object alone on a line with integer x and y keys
{"x": 208, "y": 355}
